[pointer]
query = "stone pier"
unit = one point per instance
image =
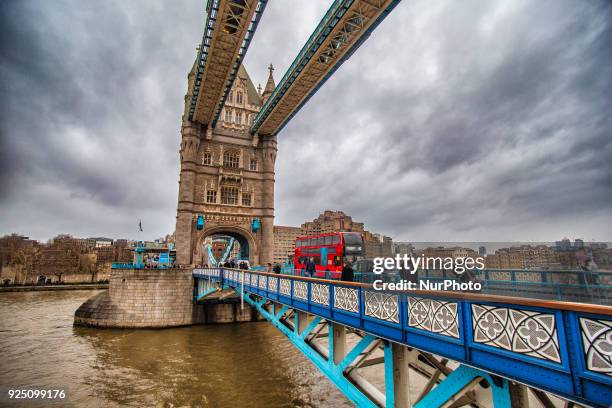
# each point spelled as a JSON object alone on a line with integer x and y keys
{"x": 154, "y": 298}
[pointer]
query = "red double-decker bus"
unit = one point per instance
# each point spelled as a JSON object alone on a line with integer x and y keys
{"x": 328, "y": 251}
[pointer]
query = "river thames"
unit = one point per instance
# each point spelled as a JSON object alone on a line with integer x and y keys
{"x": 246, "y": 364}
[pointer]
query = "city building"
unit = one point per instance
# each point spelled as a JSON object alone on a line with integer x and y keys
{"x": 331, "y": 221}
{"x": 99, "y": 242}
{"x": 522, "y": 257}
{"x": 566, "y": 245}
{"x": 376, "y": 245}
{"x": 63, "y": 259}
{"x": 450, "y": 252}
{"x": 284, "y": 242}
{"x": 403, "y": 248}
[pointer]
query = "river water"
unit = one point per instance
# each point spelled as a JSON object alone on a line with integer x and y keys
{"x": 224, "y": 365}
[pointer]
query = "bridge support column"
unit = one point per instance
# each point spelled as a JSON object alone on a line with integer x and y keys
{"x": 519, "y": 396}
{"x": 337, "y": 342}
{"x": 302, "y": 320}
{"x": 397, "y": 376}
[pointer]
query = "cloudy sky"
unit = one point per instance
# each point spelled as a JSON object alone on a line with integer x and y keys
{"x": 471, "y": 120}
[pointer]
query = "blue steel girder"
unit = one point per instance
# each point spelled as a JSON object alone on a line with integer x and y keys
{"x": 334, "y": 372}
{"x": 459, "y": 382}
{"x": 450, "y": 389}
{"x": 228, "y": 31}
{"x": 345, "y": 26}
{"x": 558, "y": 347}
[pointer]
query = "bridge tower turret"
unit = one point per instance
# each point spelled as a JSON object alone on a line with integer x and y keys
{"x": 269, "y": 85}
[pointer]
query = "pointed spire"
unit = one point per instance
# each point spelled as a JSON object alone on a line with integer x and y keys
{"x": 259, "y": 89}
{"x": 269, "y": 85}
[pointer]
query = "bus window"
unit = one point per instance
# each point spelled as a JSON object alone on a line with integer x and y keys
{"x": 352, "y": 239}
{"x": 335, "y": 239}
{"x": 320, "y": 241}
{"x": 312, "y": 242}
{"x": 328, "y": 240}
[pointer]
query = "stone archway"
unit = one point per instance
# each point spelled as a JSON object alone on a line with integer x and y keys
{"x": 243, "y": 236}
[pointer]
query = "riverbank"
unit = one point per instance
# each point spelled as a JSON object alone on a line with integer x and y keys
{"x": 33, "y": 288}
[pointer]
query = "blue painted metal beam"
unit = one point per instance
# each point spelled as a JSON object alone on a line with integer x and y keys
{"x": 215, "y": 40}
{"x": 332, "y": 372}
{"x": 202, "y": 295}
{"x": 557, "y": 347}
{"x": 313, "y": 64}
{"x": 453, "y": 386}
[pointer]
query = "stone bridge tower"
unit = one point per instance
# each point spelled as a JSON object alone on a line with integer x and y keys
{"x": 227, "y": 178}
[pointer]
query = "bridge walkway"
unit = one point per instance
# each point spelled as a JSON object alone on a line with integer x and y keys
{"x": 510, "y": 347}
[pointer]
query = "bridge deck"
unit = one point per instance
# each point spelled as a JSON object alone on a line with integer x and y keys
{"x": 560, "y": 347}
{"x": 228, "y": 30}
{"x": 345, "y": 26}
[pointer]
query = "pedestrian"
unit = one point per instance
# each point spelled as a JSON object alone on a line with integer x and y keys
{"x": 347, "y": 272}
{"x": 277, "y": 268}
{"x": 310, "y": 267}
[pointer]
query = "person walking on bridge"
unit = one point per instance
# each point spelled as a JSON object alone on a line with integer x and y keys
{"x": 347, "y": 272}
{"x": 310, "y": 267}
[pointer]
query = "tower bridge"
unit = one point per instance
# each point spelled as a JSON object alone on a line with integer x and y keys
{"x": 508, "y": 349}
{"x": 228, "y": 147}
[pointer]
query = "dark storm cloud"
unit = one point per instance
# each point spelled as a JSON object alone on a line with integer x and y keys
{"x": 91, "y": 108}
{"x": 471, "y": 120}
{"x": 476, "y": 120}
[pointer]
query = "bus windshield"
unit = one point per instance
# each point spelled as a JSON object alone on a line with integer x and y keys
{"x": 352, "y": 239}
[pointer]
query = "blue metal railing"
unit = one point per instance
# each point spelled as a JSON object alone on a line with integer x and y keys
{"x": 551, "y": 285}
{"x": 122, "y": 265}
{"x": 560, "y": 347}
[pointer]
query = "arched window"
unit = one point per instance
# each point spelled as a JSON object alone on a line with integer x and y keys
{"x": 253, "y": 165}
{"x": 230, "y": 97}
{"x": 239, "y": 98}
{"x": 231, "y": 158}
{"x": 238, "y": 118}
{"x": 228, "y": 116}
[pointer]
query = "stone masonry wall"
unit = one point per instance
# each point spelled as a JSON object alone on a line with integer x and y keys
{"x": 154, "y": 298}
{"x": 141, "y": 298}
